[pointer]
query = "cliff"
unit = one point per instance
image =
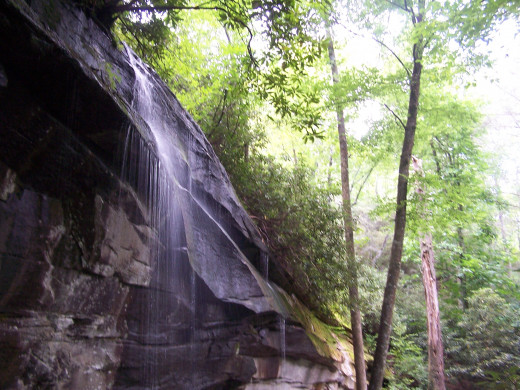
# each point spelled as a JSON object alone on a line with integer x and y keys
{"x": 126, "y": 259}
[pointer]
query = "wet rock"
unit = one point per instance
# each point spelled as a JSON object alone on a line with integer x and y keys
{"x": 122, "y": 248}
{"x": 60, "y": 325}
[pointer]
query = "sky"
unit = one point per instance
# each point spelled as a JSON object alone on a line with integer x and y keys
{"x": 499, "y": 90}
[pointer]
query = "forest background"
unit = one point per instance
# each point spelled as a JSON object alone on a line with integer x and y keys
{"x": 256, "y": 77}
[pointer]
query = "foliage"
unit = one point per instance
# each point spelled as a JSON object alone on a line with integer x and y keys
{"x": 294, "y": 96}
{"x": 460, "y": 211}
{"x": 485, "y": 346}
{"x": 407, "y": 359}
{"x": 460, "y": 203}
{"x": 301, "y": 226}
{"x": 461, "y": 208}
{"x": 287, "y": 29}
{"x": 474, "y": 21}
{"x": 407, "y": 356}
{"x": 211, "y": 81}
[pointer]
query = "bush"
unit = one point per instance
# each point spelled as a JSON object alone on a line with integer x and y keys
{"x": 486, "y": 345}
{"x": 302, "y": 227}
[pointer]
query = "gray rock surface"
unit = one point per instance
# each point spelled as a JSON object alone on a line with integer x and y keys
{"x": 93, "y": 293}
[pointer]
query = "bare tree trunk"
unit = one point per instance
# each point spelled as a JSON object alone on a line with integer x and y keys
{"x": 429, "y": 279}
{"x": 394, "y": 267}
{"x": 380, "y": 253}
{"x": 355, "y": 314}
{"x": 435, "y": 347}
{"x": 517, "y": 215}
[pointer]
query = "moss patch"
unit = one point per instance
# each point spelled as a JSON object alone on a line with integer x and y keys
{"x": 113, "y": 76}
{"x": 330, "y": 342}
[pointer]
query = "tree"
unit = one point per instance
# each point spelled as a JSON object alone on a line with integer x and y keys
{"x": 434, "y": 27}
{"x": 355, "y": 313}
{"x": 394, "y": 268}
{"x": 459, "y": 205}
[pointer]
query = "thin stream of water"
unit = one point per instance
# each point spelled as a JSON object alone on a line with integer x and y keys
{"x": 264, "y": 259}
{"x": 158, "y": 180}
{"x": 282, "y": 337}
{"x": 153, "y": 185}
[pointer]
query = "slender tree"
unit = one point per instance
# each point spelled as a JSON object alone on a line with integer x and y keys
{"x": 394, "y": 268}
{"x": 355, "y": 313}
{"x": 429, "y": 279}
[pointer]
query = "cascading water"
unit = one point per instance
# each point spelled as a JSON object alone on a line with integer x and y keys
{"x": 149, "y": 168}
{"x": 265, "y": 264}
{"x": 147, "y": 104}
{"x": 159, "y": 170}
{"x": 282, "y": 337}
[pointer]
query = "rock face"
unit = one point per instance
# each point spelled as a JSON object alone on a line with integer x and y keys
{"x": 126, "y": 260}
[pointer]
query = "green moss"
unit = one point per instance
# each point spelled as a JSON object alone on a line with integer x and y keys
{"x": 330, "y": 342}
{"x": 113, "y": 76}
{"x": 327, "y": 342}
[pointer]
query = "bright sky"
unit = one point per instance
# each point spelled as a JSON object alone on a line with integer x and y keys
{"x": 502, "y": 97}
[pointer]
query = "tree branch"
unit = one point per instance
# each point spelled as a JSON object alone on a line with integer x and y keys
{"x": 386, "y": 47}
{"x": 380, "y": 252}
{"x": 435, "y": 157}
{"x": 139, "y": 43}
{"x": 395, "y": 55}
{"x": 222, "y": 111}
{"x": 363, "y": 184}
{"x": 395, "y": 116}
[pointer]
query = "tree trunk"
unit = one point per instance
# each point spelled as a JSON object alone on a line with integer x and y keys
{"x": 355, "y": 314}
{"x": 329, "y": 173}
{"x": 394, "y": 267}
{"x": 517, "y": 215}
{"x": 503, "y": 234}
{"x": 435, "y": 348}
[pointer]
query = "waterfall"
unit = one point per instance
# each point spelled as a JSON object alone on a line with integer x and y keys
{"x": 152, "y": 169}
{"x": 282, "y": 337}
{"x": 173, "y": 166}
{"x": 157, "y": 164}
{"x": 265, "y": 264}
